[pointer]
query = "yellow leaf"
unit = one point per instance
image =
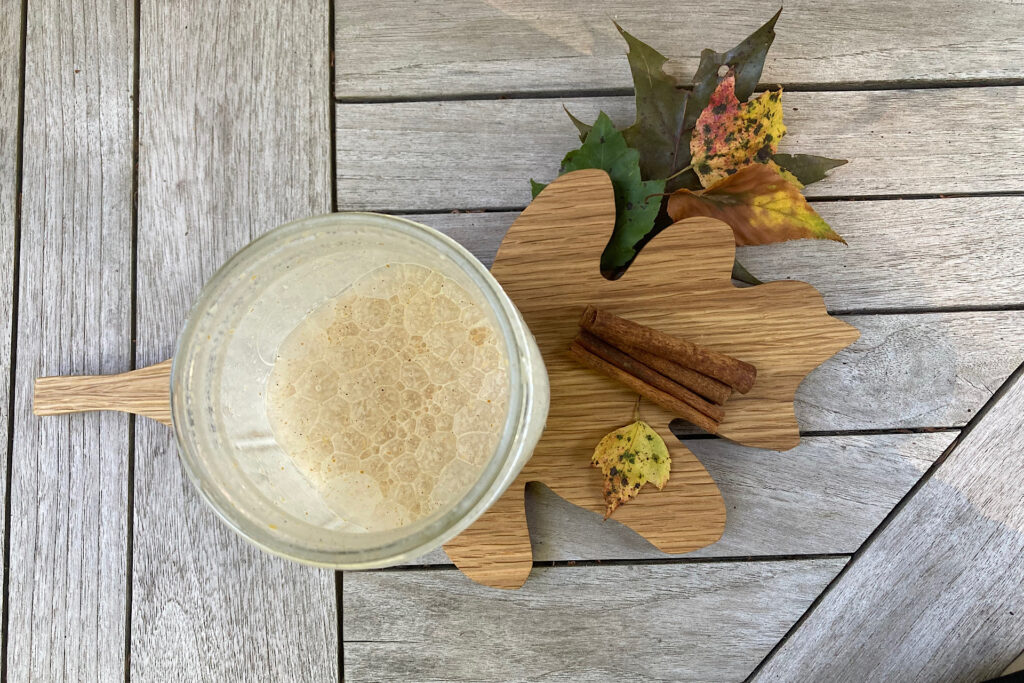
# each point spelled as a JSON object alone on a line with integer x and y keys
{"x": 730, "y": 134}
{"x": 629, "y": 458}
{"x": 758, "y": 204}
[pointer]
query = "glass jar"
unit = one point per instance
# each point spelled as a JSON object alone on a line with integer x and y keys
{"x": 225, "y": 354}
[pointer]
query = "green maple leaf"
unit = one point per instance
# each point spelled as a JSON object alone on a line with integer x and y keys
{"x": 605, "y": 148}
{"x": 807, "y": 168}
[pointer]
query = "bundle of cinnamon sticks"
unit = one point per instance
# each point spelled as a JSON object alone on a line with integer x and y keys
{"x": 691, "y": 381}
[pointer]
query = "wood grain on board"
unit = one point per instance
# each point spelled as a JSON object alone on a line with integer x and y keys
{"x": 823, "y": 497}
{"x": 676, "y": 622}
{"x": 234, "y": 140}
{"x": 1015, "y": 666}
{"x": 480, "y": 154}
{"x": 939, "y": 593}
{"x": 781, "y": 328}
{"x": 10, "y": 78}
{"x": 69, "y": 475}
{"x": 410, "y": 49}
{"x": 144, "y": 392}
{"x": 902, "y": 254}
{"x": 906, "y": 370}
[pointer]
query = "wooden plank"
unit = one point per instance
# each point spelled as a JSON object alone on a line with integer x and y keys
{"x": 408, "y": 49}
{"x": 823, "y": 497}
{"x": 235, "y": 139}
{"x": 679, "y": 622}
{"x": 912, "y": 371}
{"x": 903, "y": 254}
{"x": 939, "y": 593}
{"x": 480, "y": 154}
{"x": 10, "y": 78}
{"x": 69, "y": 484}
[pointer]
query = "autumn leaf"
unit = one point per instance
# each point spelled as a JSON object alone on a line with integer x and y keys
{"x": 731, "y": 134}
{"x": 629, "y": 458}
{"x": 746, "y": 60}
{"x": 583, "y": 128}
{"x": 662, "y": 134}
{"x": 635, "y": 207}
{"x": 807, "y": 168}
{"x": 759, "y": 205}
{"x": 739, "y": 272}
{"x": 659, "y": 133}
{"x": 660, "y": 127}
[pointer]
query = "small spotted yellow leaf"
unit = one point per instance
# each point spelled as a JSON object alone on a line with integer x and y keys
{"x": 630, "y": 457}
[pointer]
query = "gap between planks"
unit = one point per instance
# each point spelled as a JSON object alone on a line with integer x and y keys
{"x": 339, "y": 576}
{"x": 641, "y": 561}
{"x": 821, "y": 200}
{"x": 846, "y": 86}
{"x": 12, "y": 339}
{"x": 132, "y": 347}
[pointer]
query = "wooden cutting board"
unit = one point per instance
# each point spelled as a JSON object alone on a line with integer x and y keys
{"x": 680, "y": 284}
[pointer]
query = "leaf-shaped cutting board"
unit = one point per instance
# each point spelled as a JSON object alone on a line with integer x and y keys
{"x": 680, "y": 284}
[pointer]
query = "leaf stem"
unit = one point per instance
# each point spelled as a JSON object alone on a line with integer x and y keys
{"x": 679, "y": 172}
{"x": 636, "y": 409}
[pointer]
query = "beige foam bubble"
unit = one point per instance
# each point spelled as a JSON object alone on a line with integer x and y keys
{"x": 391, "y": 397}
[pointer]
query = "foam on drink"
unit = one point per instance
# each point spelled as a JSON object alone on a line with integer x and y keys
{"x": 392, "y": 396}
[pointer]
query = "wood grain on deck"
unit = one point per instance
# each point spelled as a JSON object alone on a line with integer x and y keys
{"x": 466, "y": 47}
{"x": 67, "y": 586}
{"x": 10, "y": 79}
{"x": 821, "y": 498}
{"x": 939, "y": 593}
{"x": 926, "y": 253}
{"x": 681, "y": 622}
{"x": 480, "y": 154}
{"x": 235, "y": 136}
{"x": 234, "y": 140}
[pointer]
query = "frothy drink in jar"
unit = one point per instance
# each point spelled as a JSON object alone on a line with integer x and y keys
{"x": 391, "y": 397}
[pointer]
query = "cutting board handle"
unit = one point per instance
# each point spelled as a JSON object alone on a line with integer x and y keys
{"x": 145, "y": 392}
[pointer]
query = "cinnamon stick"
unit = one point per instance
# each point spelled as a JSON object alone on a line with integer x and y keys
{"x": 666, "y": 401}
{"x": 625, "y": 362}
{"x": 737, "y": 374}
{"x": 702, "y": 385}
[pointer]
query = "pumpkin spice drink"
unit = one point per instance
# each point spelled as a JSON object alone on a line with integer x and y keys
{"x": 391, "y": 397}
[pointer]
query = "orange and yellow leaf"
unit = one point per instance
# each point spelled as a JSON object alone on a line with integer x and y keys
{"x": 759, "y": 205}
{"x": 731, "y": 135}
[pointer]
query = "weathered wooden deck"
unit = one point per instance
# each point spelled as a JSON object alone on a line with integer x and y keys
{"x": 142, "y": 143}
